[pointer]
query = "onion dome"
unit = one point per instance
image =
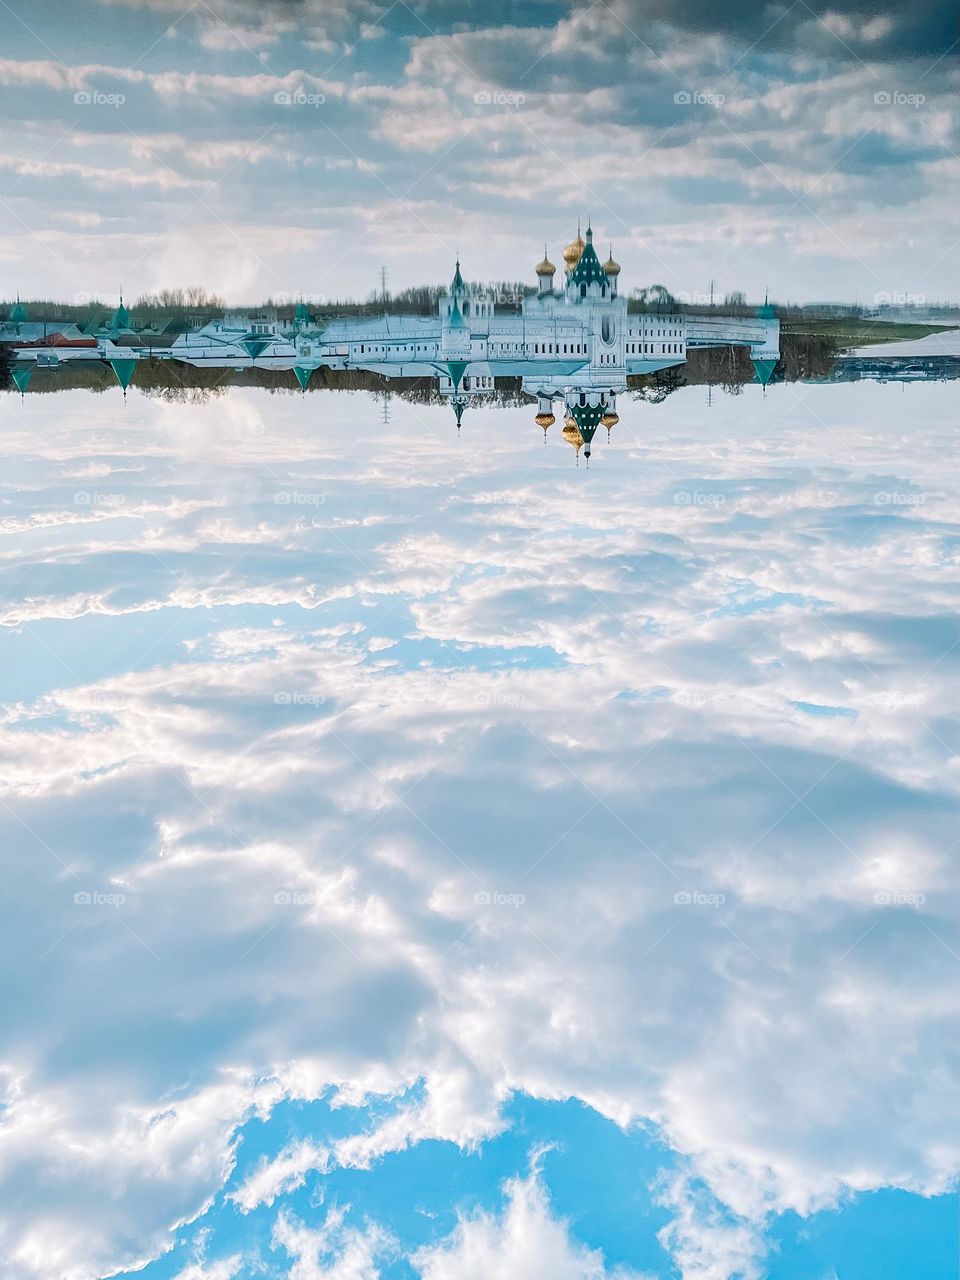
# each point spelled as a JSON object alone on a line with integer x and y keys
{"x": 545, "y": 420}
{"x": 609, "y": 420}
{"x": 571, "y": 254}
{"x": 546, "y": 267}
{"x": 571, "y": 433}
{"x": 610, "y": 267}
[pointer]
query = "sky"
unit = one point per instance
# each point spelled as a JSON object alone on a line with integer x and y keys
{"x": 295, "y": 147}
{"x": 428, "y": 858}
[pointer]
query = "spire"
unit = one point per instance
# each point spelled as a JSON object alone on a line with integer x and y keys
{"x": 457, "y": 285}
{"x": 121, "y": 317}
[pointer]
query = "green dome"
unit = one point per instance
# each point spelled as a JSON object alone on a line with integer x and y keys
{"x": 18, "y": 312}
{"x": 588, "y": 270}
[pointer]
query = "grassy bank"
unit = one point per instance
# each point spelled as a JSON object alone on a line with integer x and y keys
{"x": 844, "y": 332}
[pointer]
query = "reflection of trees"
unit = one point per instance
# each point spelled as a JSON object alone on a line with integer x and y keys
{"x": 802, "y": 356}
{"x": 655, "y": 387}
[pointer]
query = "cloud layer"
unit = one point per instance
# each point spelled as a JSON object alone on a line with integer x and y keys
{"x": 297, "y": 148}
{"x": 473, "y": 768}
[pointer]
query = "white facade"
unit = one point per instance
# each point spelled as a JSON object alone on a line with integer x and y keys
{"x": 575, "y": 341}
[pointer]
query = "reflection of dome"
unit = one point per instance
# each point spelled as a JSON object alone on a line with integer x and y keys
{"x": 546, "y": 267}
{"x": 545, "y": 420}
{"x": 571, "y": 254}
{"x": 571, "y": 433}
{"x": 610, "y": 267}
{"x": 610, "y": 420}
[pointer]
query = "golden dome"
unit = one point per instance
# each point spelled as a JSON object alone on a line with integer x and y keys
{"x": 546, "y": 267}
{"x": 545, "y": 420}
{"x": 610, "y": 420}
{"x": 571, "y": 254}
{"x": 610, "y": 267}
{"x": 571, "y": 433}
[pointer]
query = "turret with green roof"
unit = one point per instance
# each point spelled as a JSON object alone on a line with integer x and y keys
{"x": 121, "y": 317}
{"x": 18, "y": 312}
{"x": 589, "y": 269}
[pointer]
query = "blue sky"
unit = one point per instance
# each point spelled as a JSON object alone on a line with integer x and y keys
{"x": 288, "y": 147}
{"x": 447, "y": 874}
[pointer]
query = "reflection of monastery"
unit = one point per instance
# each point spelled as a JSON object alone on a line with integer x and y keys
{"x": 575, "y": 345}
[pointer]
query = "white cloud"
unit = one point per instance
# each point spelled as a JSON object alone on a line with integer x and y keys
{"x": 334, "y": 1251}
{"x": 525, "y": 1240}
